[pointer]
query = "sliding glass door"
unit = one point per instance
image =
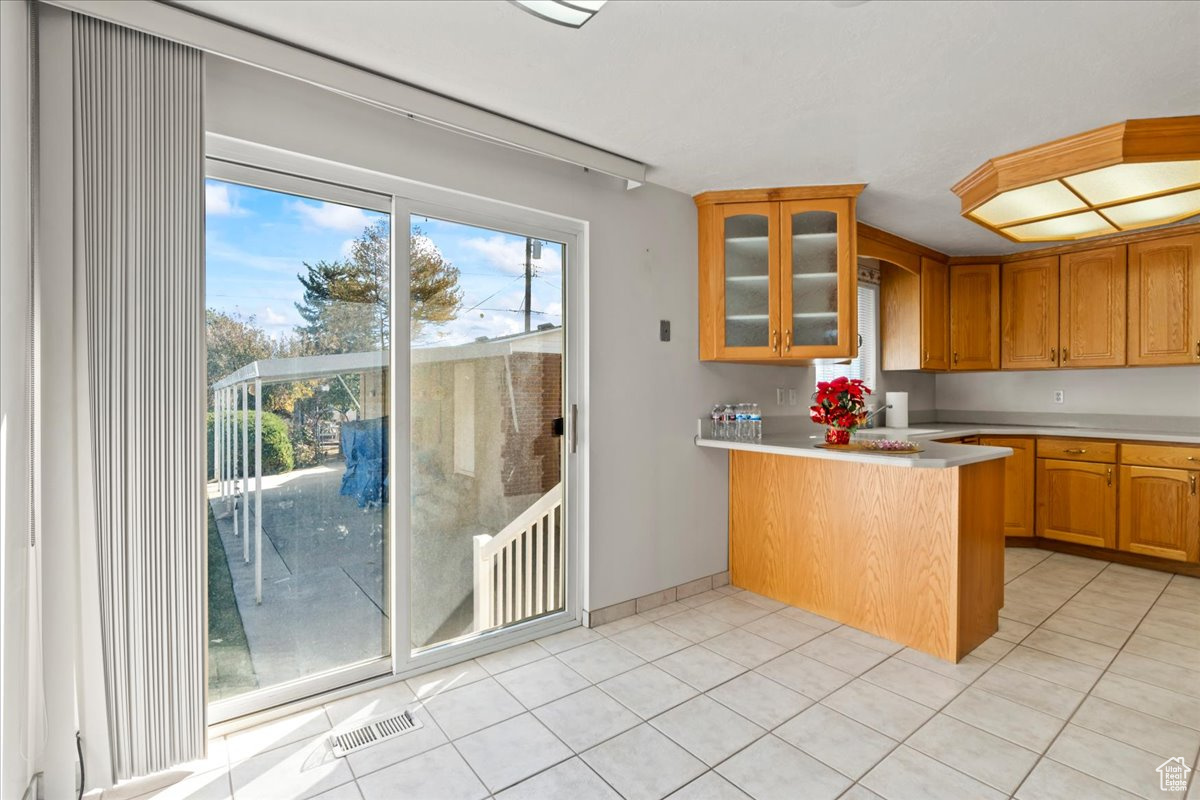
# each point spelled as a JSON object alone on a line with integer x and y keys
{"x": 298, "y": 326}
{"x": 487, "y": 423}
{"x": 376, "y": 509}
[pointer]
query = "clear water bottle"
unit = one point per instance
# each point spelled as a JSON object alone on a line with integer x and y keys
{"x": 714, "y": 424}
{"x": 743, "y": 422}
{"x": 729, "y": 422}
{"x": 755, "y": 423}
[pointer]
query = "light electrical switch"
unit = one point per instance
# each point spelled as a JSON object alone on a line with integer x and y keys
{"x": 793, "y": 397}
{"x": 778, "y": 395}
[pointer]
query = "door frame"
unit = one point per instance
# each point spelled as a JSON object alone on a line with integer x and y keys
{"x": 272, "y": 168}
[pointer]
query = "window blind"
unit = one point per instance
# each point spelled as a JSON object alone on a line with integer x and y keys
{"x": 865, "y": 365}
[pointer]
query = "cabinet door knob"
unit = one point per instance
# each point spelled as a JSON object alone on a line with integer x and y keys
{"x": 1193, "y": 484}
{"x": 774, "y": 340}
{"x": 1109, "y": 471}
{"x": 1077, "y": 451}
{"x": 787, "y": 340}
{"x": 1198, "y": 348}
{"x": 1064, "y": 352}
{"x": 955, "y": 356}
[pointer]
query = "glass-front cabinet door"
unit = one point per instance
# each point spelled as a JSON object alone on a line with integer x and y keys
{"x": 748, "y": 323}
{"x": 818, "y": 284}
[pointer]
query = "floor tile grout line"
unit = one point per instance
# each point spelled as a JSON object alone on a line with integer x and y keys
{"x": 1087, "y": 694}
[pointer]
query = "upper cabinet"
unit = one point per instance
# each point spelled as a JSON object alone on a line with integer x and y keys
{"x": 935, "y": 314}
{"x": 1092, "y": 308}
{"x": 1029, "y": 314}
{"x": 975, "y": 317}
{"x": 777, "y": 274}
{"x": 1164, "y": 301}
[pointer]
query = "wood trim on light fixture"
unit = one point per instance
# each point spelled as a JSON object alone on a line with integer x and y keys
{"x": 1130, "y": 142}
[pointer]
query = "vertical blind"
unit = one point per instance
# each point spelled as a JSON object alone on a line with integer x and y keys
{"x": 139, "y": 222}
{"x": 863, "y": 366}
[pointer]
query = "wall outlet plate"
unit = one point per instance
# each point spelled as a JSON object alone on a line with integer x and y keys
{"x": 793, "y": 397}
{"x": 1058, "y": 395}
{"x": 779, "y": 395}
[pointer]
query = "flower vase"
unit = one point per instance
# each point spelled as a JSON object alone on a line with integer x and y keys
{"x": 837, "y": 435}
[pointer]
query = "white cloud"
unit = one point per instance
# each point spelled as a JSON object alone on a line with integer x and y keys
{"x": 507, "y": 254}
{"x": 347, "y": 248}
{"x": 272, "y": 317}
{"x": 333, "y": 216}
{"x": 220, "y": 202}
{"x": 219, "y": 249}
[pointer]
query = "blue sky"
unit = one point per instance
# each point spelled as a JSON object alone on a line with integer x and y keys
{"x": 257, "y": 239}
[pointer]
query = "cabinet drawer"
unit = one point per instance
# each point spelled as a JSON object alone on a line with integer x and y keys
{"x": 1178, "y": 456}
{"x": 1078, "y": 450}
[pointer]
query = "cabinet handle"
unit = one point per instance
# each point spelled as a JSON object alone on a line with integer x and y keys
{"x": 955, "y": 356}
{"x": 1193, "y": 484}
{"x": 1054, "y": 354}
{"x": 787, "y": 340}
{"x": 1193, "y": 458}
{"x": 1065, "y": 356}
{"x": 1109, "y": 471}
{"x": 774, "y": 341}
{"x": 1077, "y": 451}
{"x": 1198, "y": 348}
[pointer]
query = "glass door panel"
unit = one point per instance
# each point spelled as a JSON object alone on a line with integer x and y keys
{"x": 298, "y": 326}
{"x": 748, "y": 298}
{"x": 487, "y": 523}
{"x": 813, "y": 271}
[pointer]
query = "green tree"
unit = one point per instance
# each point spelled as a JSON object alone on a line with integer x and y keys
{"x": 233, "y": 342}
{"x": 345, "y": 305}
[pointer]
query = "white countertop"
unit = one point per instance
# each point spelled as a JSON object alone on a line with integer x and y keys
{"x": 935, "y": 455}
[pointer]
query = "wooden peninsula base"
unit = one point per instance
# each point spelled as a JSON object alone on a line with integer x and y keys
{"x": 913, "y": 555}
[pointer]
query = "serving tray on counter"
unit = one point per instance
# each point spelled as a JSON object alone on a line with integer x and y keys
{"x": 860, "y": 447}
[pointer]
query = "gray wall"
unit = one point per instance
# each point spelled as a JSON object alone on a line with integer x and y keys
{"x": 15, "y": 767}
{"x": 1145, "y": 391}
{"x": 658, "y": 503}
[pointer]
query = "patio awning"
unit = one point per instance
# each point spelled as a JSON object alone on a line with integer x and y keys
{"x": 299, "y": 368}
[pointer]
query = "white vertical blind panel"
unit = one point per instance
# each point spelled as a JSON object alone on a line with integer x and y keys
{"x": 139, "y": 201}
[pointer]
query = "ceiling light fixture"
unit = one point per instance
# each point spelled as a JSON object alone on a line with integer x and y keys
{"x": 1133, "y": 174}
{"x": 572, "y": 13}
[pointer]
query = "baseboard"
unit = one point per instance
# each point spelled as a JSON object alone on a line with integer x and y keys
{"x": 638, "y": 605}
{"x": 1106, "y": 554}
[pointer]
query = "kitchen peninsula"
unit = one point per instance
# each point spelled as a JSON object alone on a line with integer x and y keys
{"x": 909, "y": 547}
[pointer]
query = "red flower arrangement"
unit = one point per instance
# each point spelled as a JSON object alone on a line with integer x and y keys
{"x": 840, "y": 405}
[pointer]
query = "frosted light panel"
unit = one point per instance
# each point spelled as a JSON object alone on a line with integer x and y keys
{"x": 1039, "y": 200}
{"x": 1125, "y": 181}
{"x": 1073, "y": 226}
{"x": 1157, "y": 211}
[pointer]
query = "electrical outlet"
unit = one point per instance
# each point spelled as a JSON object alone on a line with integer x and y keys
{"x": 1058, "y": 395}
{"x": 778, "y": 395}
{"x": 793, "y": 397}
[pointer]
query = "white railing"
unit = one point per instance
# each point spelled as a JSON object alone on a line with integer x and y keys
{"x": 519, "y": 571}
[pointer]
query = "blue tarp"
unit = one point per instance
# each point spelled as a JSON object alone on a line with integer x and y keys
{"x": 364, "y": 446}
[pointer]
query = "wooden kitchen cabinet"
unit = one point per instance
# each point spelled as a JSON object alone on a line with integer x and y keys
{"x": 1092, "y": 287}
{"x": 1029, "y": 314}
{"x": 1077, "y": 502}
{"x": 778, "y": 276}
{"x": 935, "y": 314}
{"x": 1018, "y": 483}
{"x": 975, "y": 317}
{"x": 1160, "y": 512}
{"x": 1164, "y": 301}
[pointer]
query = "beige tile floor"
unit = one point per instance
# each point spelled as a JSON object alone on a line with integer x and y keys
{"x": 1091, "y": 683}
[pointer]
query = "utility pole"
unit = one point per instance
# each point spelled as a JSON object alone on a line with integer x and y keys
{"x": 528, "y": 280}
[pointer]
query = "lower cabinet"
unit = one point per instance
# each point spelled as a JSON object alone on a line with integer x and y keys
{"x": 1018, "y": 483}
{"x": 1160, "y": 512}
{"x": 1077, "y": 502}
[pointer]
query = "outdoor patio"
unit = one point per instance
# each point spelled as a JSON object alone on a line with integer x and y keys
{"x": 323, "y": 598}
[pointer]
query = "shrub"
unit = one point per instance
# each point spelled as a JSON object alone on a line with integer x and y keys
{"x": 277, "y": 454}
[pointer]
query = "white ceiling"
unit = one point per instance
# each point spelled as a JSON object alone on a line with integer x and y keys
{"x": 907, "y": 97}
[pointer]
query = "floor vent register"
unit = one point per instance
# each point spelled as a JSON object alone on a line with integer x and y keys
{"x": 373, "y": 732}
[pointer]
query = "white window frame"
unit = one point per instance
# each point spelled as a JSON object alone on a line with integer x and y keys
{"x": 267, "y": 167}
{"x": 828, "y": 369}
